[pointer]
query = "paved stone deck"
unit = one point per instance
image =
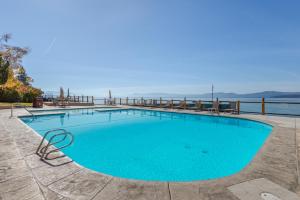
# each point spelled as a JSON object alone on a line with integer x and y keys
{"x": 24, "y": 176}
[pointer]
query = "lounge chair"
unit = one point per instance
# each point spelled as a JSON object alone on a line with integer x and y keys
{"x": 147, "y": 103}
{"x": 62, "y": 103}
{"x": 197, "y": 106}
{"x": 215, "y": 107}
{"x": 135, "y": 103}
{"x": 232, "y": 108}
{"x": 111, "y": 102}
{"x": 144, "y": 102}
{"x": 152, "y": 103}
{"x": 181, "y": 105}
{"x": 138, "y": 103}
{"x": 168, "y": 104}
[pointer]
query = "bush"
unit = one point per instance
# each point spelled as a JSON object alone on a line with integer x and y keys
{"x": 30, "y": 95}
{"x": 27, "y": 94}
{"x": 9, "y": 95}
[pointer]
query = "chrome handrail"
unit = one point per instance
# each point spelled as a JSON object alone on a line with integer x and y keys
{"x": 43, "y": 152}
{"x": 66, "y": 134}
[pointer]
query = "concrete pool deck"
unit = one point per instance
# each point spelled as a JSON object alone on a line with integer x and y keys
{"x": 23, "y": 176}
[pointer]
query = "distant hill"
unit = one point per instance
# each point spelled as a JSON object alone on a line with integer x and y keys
{"x": 288, "y": 96}
{"x": 266, "y": 94}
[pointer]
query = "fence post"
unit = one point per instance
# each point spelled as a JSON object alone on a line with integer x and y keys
{"x": 199, "y": 104}
{"x": 87, "y": 99}
{"x": 238, "y": 106}
{"x": 160, "y": 101}
{"x": 92, "y": 99}
{"x": 172, "y": 104}
{"x": 127, "y": 101}
{"x": 184, "y": 106}
{"x": 120, "y": 101}
{"x": 263, "y": 110}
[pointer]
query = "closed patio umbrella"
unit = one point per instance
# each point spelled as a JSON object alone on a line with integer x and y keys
{"x": 109, "y": 98}
{"x": 61, "y": 93}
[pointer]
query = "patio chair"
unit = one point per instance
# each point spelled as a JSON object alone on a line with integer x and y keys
{"x": 215, "y": 107}
{"x": 63, "y": 103}
{"x": 167, "y": 105}
{"x": 111, "y": 102}
{"x": 181, "y": 105}
{"x": 197, "y": 106}
{"x": 232, "y": 108}
{"x": 138, "y": 103}
{"x": 149, "y": 103}
{"x": 135, "y": 102}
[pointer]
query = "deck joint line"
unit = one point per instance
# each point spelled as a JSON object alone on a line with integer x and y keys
{"x": 108, "y": 182}
{"x": 35, "y": 179}
{"x": 170, "y": 195}
{"x": 76, "y": 171}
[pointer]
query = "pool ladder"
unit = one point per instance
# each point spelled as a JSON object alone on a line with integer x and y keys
{"x": 56, "y": 136}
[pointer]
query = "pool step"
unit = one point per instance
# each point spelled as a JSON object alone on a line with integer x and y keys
{"x": 47, "y": 113}
{"x": 48, "y": 152}
{"x": 110, "y": 109}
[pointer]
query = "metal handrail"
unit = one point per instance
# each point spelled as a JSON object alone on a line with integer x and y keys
{"x": 44, "y": 138}
{"x": 66, "y": 134}
{"x": 44, "y": 149}
{"x": 28, "y": 111}
{"x": 43, "y": 152}
{"x": 19, "y": 106}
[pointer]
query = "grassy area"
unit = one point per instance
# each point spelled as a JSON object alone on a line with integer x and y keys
{"x": 7, "y": 104}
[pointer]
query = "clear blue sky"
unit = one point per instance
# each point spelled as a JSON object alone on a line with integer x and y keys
{"x": 172, "y": 46}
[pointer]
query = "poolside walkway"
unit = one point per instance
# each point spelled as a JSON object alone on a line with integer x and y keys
{"x": 23, "y": 176}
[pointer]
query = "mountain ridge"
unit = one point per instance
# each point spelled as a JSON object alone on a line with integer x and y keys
{"x": 266, "y": 94}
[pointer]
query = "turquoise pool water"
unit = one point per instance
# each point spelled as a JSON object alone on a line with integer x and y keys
{"x": 157, "y": 146}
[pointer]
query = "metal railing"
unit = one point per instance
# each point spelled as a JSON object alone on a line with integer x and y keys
{"x": 259, "y": 106}
{"x": 17, "y": 105}
{"x": 81, "y": 99}
{"x": 71, "y": 99}
{"x": 64, "y": 137}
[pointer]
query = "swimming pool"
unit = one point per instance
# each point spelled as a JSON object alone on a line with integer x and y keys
{"x": 157, "y": 146}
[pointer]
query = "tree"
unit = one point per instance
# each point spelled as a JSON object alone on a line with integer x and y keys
{"x": 15, "y": 84}
{"x": 23, "y": 77}
{"x": 4, "y": 70}
{"x": 12, "y": 54}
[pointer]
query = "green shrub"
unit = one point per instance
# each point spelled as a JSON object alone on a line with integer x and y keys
{"x": 29, "y": 97}
{"x": 9, "y": 95}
